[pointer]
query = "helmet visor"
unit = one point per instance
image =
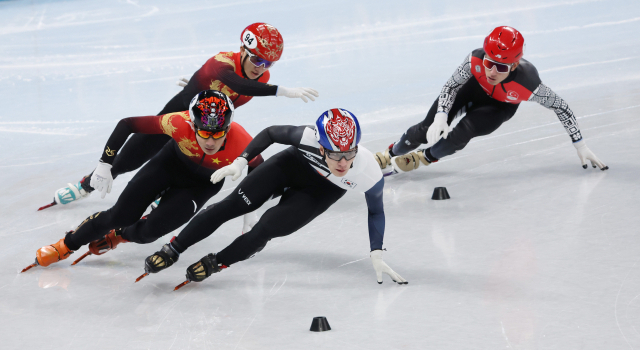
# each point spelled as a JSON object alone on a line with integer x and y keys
{"x": 500, "y": 67}
{"x": 205, "y": 134}
{"x": 257, "y": 61}
{"x": 337, "y": 156}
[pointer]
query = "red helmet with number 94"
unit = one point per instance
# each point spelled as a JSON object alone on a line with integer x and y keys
{"x": 263, "y": 40}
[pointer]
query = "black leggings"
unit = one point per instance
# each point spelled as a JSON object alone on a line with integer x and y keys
{"x": 308, "y": 195}
{"x": 483, "y": 116}
{"x": 185, "y": 193}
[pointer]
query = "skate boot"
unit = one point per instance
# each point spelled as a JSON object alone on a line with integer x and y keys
{"x": 103, "y": 245}
{"x": 72, "y": 192}
{"x": 50, "y": 254}
{"x": 202, "y": 269}
{"x": 384, "y": 158}
{"x": 160, "y": 260}
{"x": 409, "y": 161}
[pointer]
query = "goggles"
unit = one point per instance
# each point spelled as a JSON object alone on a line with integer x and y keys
{"x": 500, "y": 67}
{"x": 337, "y": 156}
{"x": 257, "y": 61}
{"x": 205, "y": 134}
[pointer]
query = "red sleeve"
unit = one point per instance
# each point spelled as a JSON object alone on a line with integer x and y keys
{"x": 125, "y": 127}
{"x": 145, "y": 125}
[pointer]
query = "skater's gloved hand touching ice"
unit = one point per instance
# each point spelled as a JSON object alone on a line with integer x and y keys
{"x": 302, "y": 93}
{"x": 101, "y": 179}
{"x": 234, "y": 169}
{"x": 380, "y": 266}
{"x": 585, "y": 154}
{"x": 438, "y": 127}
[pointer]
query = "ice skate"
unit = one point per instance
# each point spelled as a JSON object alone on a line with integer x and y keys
{"x": 202, "y": 269}
{"x": 384, "y": 158}
{"x": 408, "y": 162}
{"x": 103, "y": 245}
{"x": 71, "y": 193}
{"x": 50, "y": 254}
{"x": 160, "y": 260}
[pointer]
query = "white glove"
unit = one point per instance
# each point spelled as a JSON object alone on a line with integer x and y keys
{"x": 380, "y": 266}
{"x": 250, "y": 220}
{"x": 585, "y": 153}
{"x": 101, "y": 179}
{"x": 182, "y": 82}
{"x": 302, "y": 93}
{"x": 234, "y": 169}
{"x": 439, "y": 126}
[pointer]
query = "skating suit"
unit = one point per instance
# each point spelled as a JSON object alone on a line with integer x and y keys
{"x": 222, "y": 72}
{"x": 523, "y": 84}
{"x": 309, "y": 189}
{"x": 179, "y": 173}
{"x": 180, "y": 128}
{"x": 484, "y": 107}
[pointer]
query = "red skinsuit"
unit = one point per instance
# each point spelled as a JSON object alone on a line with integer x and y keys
{"x": 207, "y": 77}
{"x": 179, "y": 127}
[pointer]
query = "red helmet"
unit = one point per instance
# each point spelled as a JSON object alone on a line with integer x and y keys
{"x": 504, "y": 45}
{"x": 263, "y": 40}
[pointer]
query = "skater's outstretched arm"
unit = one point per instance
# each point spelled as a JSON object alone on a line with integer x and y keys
{"x": 126, "y": 127}
{"x": 549, "y": 99}
{"x": 440, "y": 126}
{"x": 282, "y": 134}
{"x": 102, "y": 179}
{"x": 376, "y": 233}
{"x": 244, "y": 86}
{"x": 451, "y": 87}
{"x": 376, "y": 214}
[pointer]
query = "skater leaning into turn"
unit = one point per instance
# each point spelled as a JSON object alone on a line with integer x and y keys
{"x": 324, "y": 162}
{"x": 204, "y": 139}
{"x": 240, "y": 75}
{"x": 488, "y": 86}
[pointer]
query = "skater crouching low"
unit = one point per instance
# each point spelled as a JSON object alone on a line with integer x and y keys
{"x": 323, "y": 163}
{"x": 485, "y": 91}
{"x": 205, "y": 139}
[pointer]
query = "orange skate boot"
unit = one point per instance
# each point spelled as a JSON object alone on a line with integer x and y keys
{"x": 103, "y": 245}
{"x": 50, "y": 254}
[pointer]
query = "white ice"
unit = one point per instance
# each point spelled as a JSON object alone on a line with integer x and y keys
{"x": 530, "y": 252}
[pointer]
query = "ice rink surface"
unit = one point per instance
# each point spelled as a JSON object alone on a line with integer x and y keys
{"x": 530, "y": 252}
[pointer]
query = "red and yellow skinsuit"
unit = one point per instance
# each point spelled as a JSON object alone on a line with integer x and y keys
{"x": 180, "y": 128}
{"x": 223, "y": 72}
